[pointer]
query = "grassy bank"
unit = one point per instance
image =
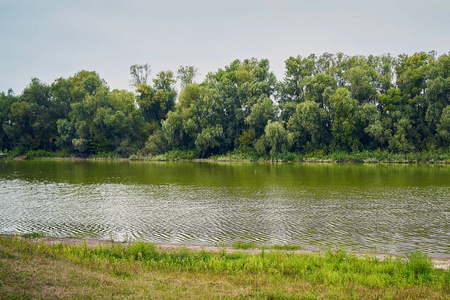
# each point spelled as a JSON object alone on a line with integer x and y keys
{"x": 34, "y": 269}
{"x": 378, "y": 156}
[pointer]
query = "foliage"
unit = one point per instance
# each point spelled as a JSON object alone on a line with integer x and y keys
{"x": 278, "y": 139}
{"x": 180, "y": 155}
{"x": 139, "y": 75}
{"x": 329, "y": 103}
{"x": 186, "y": 75}
{"x": 33, "y": 235}
{"x": 243, "y": 245}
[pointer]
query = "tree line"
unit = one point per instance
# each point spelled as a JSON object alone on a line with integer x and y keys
{"x": 332, "y": 102}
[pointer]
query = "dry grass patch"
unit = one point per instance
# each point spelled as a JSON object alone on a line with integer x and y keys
{"x": 41, "y": 276}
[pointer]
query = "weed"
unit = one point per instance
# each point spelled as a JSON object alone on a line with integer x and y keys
{"x": 418, "y": 265}
{"x": 286, "y": 247}
{"x": 34, "y": 235}
{"x": 243, "y": 245}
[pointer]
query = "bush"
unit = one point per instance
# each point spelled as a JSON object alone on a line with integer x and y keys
{"x": 33, "y": 154}
{"x": 157, "y": 143}
{"x": 142, "y": 250}
{"x": 15, "y": 152}
{"x": 243, "y": 245}
{"x": 180, "y": 155}
{"x": 340, "y": 156}
{"x": 418, "y": 266}
{"x": 286, "y": 156}
{"x": 105, "y": 155}
{"x": 244, "y": 152}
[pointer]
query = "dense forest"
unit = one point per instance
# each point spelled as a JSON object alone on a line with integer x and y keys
{"x": 324, "y": 104}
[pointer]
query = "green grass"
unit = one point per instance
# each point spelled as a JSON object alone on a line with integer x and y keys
{"x": 285, "y": 247}
{"x": 140, "y": 268}
{"x": 251, "y": 245}
{"x": 249, "y": 154}
{"x": 366, "y": 156}
{"x": 33, "y": 235}
{"x": 243, "y": 245}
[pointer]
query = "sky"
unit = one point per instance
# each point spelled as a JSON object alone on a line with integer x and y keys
{"x": 49, "y": 39}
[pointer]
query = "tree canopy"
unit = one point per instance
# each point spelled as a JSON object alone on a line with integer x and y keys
{"x": 332, "y": 102}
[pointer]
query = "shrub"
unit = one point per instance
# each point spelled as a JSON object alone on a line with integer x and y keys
{"x": 180, "y": 155}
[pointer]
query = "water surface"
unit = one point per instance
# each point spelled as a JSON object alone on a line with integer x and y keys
{"x": 376, "y": 208}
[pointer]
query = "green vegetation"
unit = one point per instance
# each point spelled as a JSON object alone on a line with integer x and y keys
{"x": 32, "y": 269}
{"x": 33, "y": 235}
{"x": 251, "y": 245}
{"x": 327, "y": 108}
{"x": 286, "y": 247}
{"x": 243, "y": 245}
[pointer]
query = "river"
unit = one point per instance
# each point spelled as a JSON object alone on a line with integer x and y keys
{"x": 383, "y": 208}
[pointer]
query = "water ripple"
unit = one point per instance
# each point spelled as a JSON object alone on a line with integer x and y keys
{"x": 383, "y": 219}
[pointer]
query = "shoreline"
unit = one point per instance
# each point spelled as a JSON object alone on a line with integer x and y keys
{"x": 232, "y": 160}
{"x": 438, "y": 262}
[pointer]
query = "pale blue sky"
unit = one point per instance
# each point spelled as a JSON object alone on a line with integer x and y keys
{"x": 49, "y": 39}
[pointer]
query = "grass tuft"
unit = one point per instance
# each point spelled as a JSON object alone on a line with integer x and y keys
{"x": 243, "y": 245}
{"x": 286, "y": 247}
{"x": 34, "y": 235}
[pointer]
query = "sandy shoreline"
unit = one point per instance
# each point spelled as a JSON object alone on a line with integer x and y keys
{"x": 439, "y": 263}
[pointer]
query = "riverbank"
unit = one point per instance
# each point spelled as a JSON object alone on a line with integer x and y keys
{"x": 425, "y": 157}
{"x": 75, "y": 268}
{"x": 439, "y": 263}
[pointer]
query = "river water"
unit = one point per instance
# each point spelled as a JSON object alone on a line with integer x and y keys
{"x": 361, "y": 207}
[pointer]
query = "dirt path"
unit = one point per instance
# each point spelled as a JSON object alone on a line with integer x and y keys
{"x": 439, "y": 263}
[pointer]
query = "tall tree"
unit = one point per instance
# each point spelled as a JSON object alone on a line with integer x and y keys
{"x": 6, "y": 127}
{"x": 139, "y": 75}
{"x": 155, "y": 102}
{"x": 309, "y": 126}
{"x": 345, "y": 119}
{"x": 186, "y": 75}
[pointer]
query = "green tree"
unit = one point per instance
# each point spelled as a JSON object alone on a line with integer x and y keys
{"x": 186, "y": 75}
{"x": 139, "y": 75}
{"x": 173, "y": 129}
{"x": 438, "y": 92}
{"x": 155, "y": 102}
{"x": 277, "y": 137}
{"x": 297, "y": 69}
{"x": 85, "y": 83}
{"x": 443, "y": 128}
{"x": 399, "y": 141}
{"x": 319, "y": 88}
{"x": 209, "y": 140}
{"x": 345, "y": 119}
{"x": 32, "y": 119}
{"x": 227, "y": 98}
{"x": 391, "y": 101}
{"x": 189, "y": 95}
{"x": 6, "y": 101}
{"x": 376, "y": 134}
{"x": 103, "y": 121}
{"x": 62, "y": 93}
{"x": 309, "y": 126}
{"x": 360, "y": 82}
{"x": 412, "y": 74}
{"x": 262, "y": 112}
{"x": 157, "y": 143}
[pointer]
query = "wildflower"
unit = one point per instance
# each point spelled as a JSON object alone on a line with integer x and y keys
{"x": 16, "y": 234}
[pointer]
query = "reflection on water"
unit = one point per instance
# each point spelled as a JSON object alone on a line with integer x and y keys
{"x": 379, "y": 208}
